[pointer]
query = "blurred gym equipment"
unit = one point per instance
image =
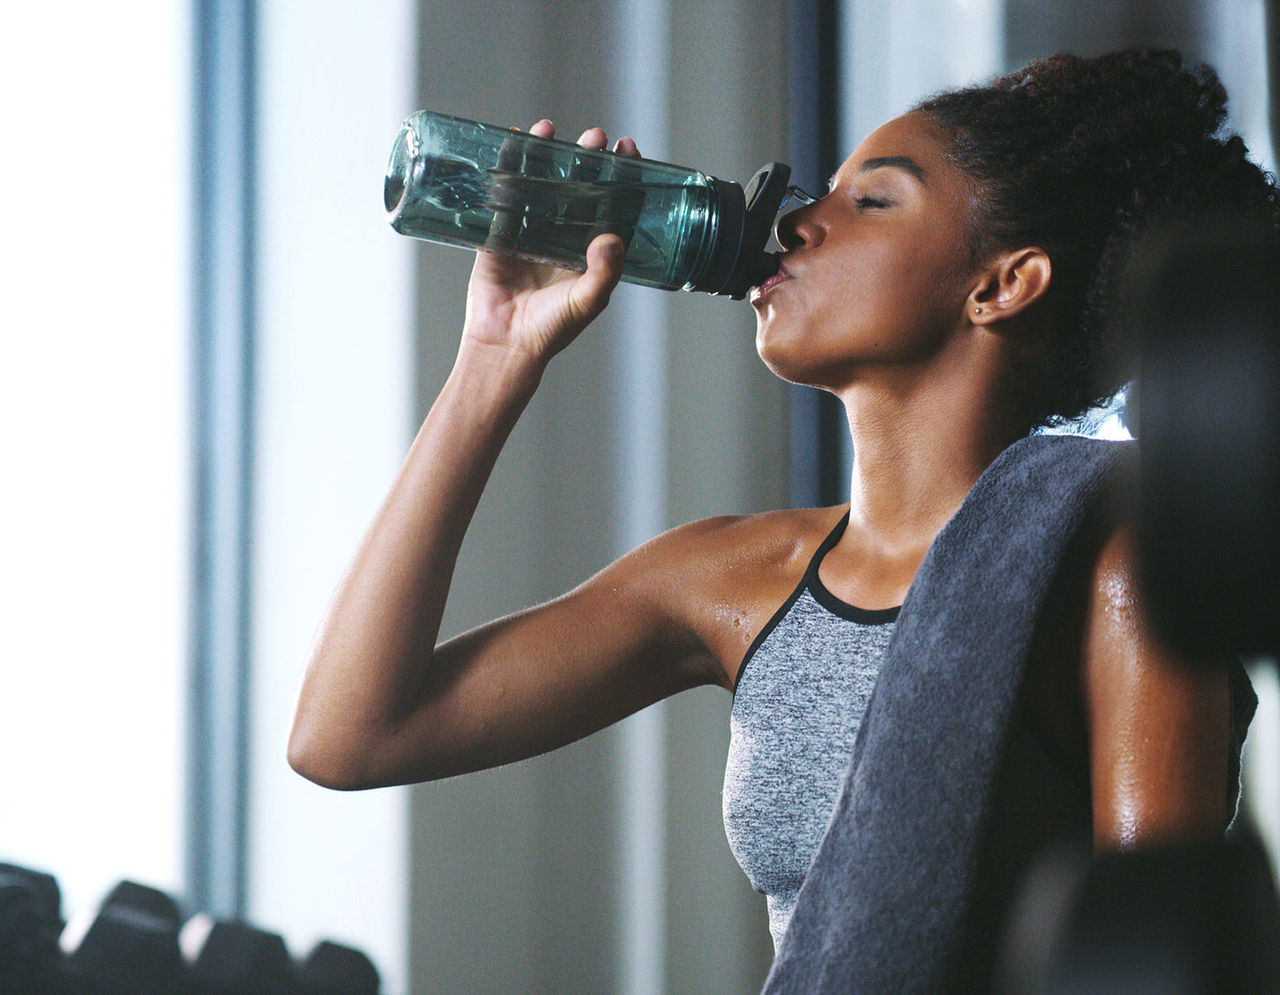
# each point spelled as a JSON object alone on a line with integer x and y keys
{"x": 137, "y": 942}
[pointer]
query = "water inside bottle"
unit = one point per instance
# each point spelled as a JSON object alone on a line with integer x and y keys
{"x": 546, "y": 205}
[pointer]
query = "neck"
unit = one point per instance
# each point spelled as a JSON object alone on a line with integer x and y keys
{"x": 919, "y": 446}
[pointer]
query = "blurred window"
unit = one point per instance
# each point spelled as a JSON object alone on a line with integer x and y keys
{"x": 94, "y": 308}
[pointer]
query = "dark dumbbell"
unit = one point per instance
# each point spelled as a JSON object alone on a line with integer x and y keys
{"x": 131, "y": 945}
{"x": 30, "y": 922}
{"x": 332, "y": 969}
{"x": 233, "y": 958}
{"x": 1194, "y": 919}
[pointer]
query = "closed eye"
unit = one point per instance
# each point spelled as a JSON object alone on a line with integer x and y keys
{"x": 871, "y": 202}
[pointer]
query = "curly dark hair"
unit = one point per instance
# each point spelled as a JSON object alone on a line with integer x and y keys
{"x": 1080, "y": 156}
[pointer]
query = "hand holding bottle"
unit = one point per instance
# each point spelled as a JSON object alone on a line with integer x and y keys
{"x": 537, "y": 309}
{"x": 530, "y": 195}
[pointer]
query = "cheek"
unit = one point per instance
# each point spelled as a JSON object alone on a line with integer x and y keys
{"x": 880, "y": 288}
{"x": 926, "y": 289}
{"x": 883, "y": 301}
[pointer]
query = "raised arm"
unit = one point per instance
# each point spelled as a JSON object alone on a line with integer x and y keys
{"x": 380, "y": 704}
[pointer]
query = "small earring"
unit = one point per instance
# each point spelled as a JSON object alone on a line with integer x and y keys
{"x": 977, "y": 310}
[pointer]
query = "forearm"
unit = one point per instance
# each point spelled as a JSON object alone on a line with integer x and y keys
{"x": 375, "y": 644}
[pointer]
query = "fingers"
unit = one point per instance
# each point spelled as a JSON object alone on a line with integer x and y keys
{"x": 593, "y": 138}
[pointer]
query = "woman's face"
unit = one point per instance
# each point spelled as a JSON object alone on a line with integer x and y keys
{"x": 876, "y": 272}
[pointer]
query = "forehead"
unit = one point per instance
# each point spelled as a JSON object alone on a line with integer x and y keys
{"x": 912, "y": 140}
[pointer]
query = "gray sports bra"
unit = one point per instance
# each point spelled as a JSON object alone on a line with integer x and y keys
{"x": 800, "y": 695}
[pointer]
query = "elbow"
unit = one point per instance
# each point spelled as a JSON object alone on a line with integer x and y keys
{"x": 324, "y": 764}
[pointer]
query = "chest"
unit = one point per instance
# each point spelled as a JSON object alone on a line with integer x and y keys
{"x": 800, "y": 698}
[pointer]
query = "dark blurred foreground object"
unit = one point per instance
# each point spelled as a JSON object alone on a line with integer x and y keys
{"x": 1188, "y": 920}
{"x": 234, "y": 958}
{"x": 1205, "y": 301}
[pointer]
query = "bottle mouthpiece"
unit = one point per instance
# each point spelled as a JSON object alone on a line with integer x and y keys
{"x": 745, "y": 222}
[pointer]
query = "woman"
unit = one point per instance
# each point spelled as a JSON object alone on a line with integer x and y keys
{"x": 950, "y": 290}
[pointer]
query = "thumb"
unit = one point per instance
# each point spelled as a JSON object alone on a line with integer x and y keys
{"x": 591, "y": 290}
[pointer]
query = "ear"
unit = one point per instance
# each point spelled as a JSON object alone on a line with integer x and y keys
{"x": 1010, "y": 284}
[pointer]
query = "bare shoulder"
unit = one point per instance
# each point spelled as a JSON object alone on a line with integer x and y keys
{"x": 1122, "y": 652}
{"x": 1113, "y": 590}
{"x": 723, "y": 578}
{"x": 739, "y": 553}
{"x": 760, "y": 541}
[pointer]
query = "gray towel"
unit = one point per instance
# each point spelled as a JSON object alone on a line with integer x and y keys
{"x": 882, "y": 908}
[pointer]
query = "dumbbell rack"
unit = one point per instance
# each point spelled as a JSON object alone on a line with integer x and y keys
{"x": 140, "y": 941}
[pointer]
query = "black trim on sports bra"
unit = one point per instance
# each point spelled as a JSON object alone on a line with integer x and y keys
{"x": 867, "y": 616}
{"x": 841, "y": 609}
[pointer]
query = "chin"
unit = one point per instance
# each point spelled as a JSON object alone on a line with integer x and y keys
{"x": 777, "y": 349}
{"x": 770, "y": 353}
{"x": 792, "y": 364}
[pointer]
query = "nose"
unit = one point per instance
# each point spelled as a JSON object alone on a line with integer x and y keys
{"x": 797, "y": 227}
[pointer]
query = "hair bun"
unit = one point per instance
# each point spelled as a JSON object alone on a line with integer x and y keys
{"x": 1078, "y": 156}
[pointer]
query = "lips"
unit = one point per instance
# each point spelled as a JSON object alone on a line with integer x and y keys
{"x": 767, "y": 287}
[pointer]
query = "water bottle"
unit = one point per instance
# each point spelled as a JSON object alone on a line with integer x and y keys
{"x": 485, "y": 187}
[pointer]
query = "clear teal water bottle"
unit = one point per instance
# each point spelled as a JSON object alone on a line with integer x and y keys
{"x": 485, "y": 187}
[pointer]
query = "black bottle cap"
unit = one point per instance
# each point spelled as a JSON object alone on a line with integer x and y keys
{"x": 744, "y": 222}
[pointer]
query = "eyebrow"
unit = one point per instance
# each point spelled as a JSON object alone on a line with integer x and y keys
{"x": 905, "y": 163}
